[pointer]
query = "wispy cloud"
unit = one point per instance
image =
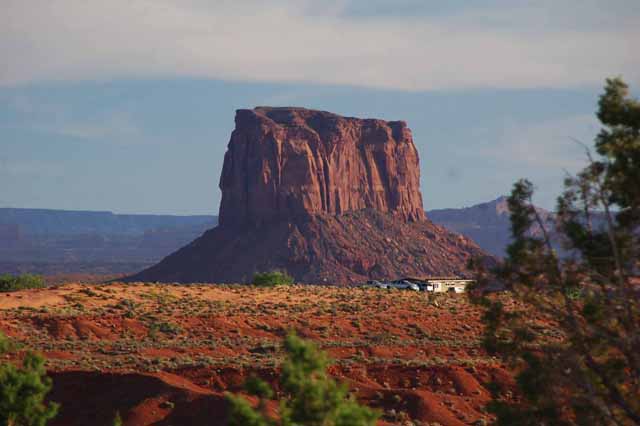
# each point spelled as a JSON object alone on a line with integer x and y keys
{"x": 503, "y": 45}
{"x": 116, "y": 127}
{"x": 105, "y": 124}
{"x": 544, "y": 146}
{"x": 32, "y": 168}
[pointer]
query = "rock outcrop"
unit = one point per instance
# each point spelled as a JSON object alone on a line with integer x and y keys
{"x": 287, "y": 162}
{"x": 329, "y": 199}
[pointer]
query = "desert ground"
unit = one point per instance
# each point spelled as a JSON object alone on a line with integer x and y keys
{"x": 166, "y": 354}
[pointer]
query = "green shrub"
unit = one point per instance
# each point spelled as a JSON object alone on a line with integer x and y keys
{"x": 272, "y": 278}
{"x": 117, "y": 420}
{"x": 311, "y": 397}
{"x": 6, "y": 345}
{"x": 22, "y": 392}
{"x": 10, "y": 282}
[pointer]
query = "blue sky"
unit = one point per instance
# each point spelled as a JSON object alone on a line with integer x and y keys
{"x": 128, "y": 105}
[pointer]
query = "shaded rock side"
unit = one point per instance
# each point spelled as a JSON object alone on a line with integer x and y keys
{"x": 342, "y": 249}
{"x": 283, "y": 163}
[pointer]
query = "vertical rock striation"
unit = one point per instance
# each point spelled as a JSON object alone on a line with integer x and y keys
{"x": 290, "y": 162}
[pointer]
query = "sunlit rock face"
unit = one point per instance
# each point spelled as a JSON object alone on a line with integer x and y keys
{"x": 287, "y": 162}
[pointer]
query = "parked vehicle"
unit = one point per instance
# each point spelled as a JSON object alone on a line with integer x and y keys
{"x": 430, "y": 284}
{"x": 404, "y": 285}
{"x": 422, "y": 285}
{"x": 398, "y": 284}
{"x": 377, "y": 284}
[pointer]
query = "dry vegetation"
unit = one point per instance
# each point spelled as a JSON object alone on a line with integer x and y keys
{"x": 164, "y": 354}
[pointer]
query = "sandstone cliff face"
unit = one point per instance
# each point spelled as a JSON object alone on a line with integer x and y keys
{"x": 290, "y": 162}
{"x": 329, "y": 199}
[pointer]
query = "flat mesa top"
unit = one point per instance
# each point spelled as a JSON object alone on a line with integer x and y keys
{"x": 295, "y": 115}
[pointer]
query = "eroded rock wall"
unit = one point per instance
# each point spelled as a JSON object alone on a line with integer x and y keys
{"x": 287, "y": 162}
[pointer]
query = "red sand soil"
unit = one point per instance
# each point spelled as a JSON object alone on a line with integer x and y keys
{"x": 165, "y": 355}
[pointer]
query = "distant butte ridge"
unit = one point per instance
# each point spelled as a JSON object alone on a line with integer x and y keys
{"x": 329, "y": 199}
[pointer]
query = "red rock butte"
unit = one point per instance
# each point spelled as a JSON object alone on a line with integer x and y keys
{"x": 329, "y": 199}
{"x": 286, "y": 162}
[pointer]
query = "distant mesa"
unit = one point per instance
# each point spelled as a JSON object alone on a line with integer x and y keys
{"x": 489, "y": 224}
{"x": 52, "y": 242}
{"x": 330, "y": 199}
{"x": 10, "y": 234}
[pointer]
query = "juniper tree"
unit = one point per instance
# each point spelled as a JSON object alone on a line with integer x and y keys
{"x": 311, "y": 397}
{"x": 117, "y": 420}
{"x": 587, "y": 372}
{"x": 272, "y": 278}
{"x": 22, "y": 391}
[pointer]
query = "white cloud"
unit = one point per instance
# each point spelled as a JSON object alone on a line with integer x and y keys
{"x": 297, "y": 41}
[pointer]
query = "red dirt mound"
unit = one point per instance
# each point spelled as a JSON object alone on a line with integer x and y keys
{"x": 166, "y": 354}
{"x": 161, "y": 399}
